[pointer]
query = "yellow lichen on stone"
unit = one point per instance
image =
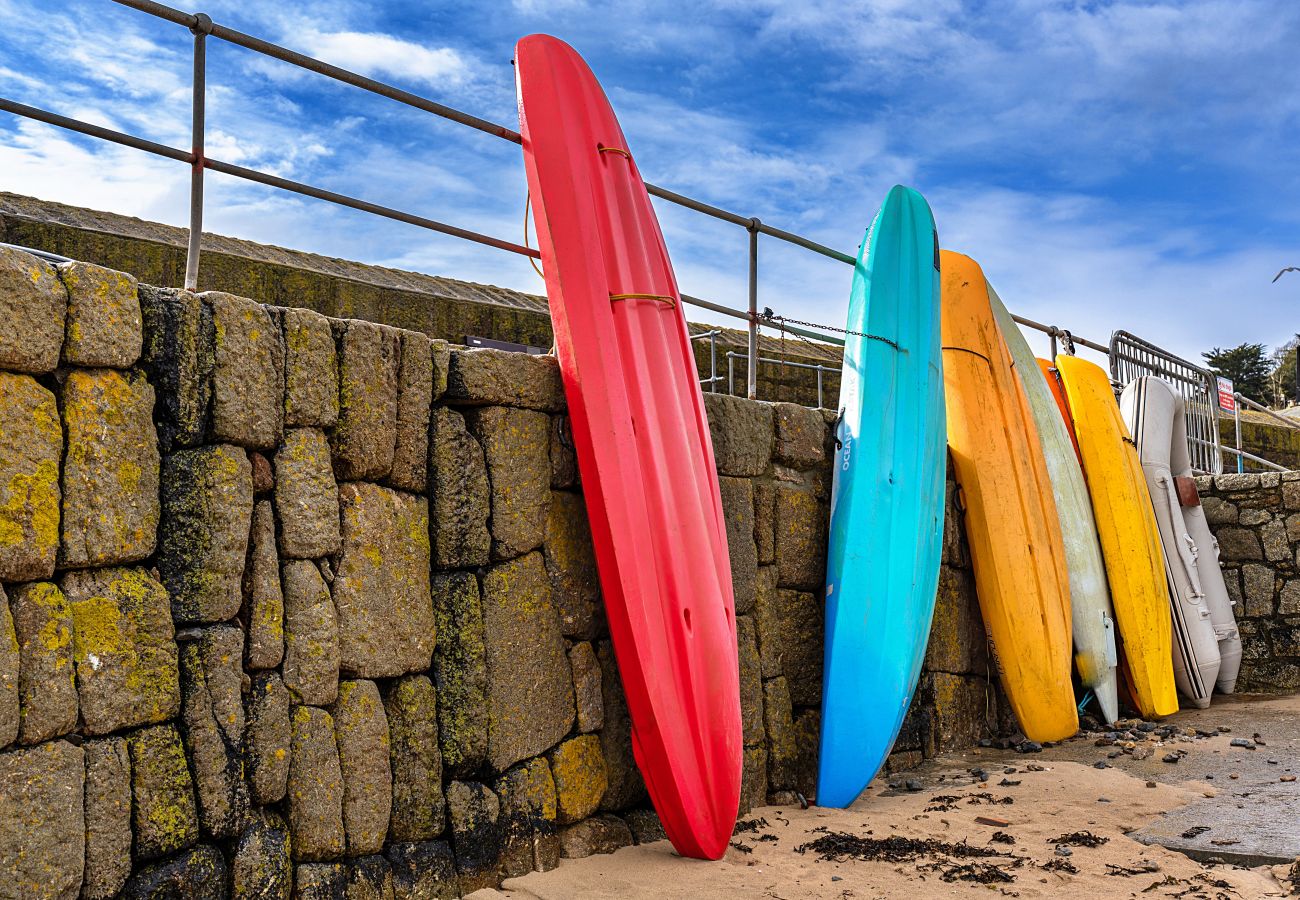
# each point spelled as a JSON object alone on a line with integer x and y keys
{"x": 578, "y": 767}
{"x": 31, "y": 441}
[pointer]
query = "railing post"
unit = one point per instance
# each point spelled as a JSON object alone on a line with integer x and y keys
{"x": 713, "y": 360}
{"x": 751, "y": 380}
{"x": 1236, "y": 417}
{"x": 731, "y": 373}
{"x": 819, "y": 387}
{"x": 202, "y": 28}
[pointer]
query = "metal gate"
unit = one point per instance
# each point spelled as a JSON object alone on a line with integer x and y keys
{"x": 1131, "y": 357}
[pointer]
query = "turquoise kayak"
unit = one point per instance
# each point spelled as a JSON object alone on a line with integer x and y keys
{"x": 887, "y": 501}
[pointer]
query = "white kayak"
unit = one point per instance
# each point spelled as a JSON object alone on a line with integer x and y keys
{"x": 1207, "y": 646}
{"x": 1090, "y": 609}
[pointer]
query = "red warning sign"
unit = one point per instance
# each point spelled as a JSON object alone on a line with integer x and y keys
{"x": 1227, "y": 402}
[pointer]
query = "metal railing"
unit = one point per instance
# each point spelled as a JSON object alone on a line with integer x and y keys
{"x": 732, "y": 356}
{"x": 1241, "y": 454}
{"x": 202, "y": 27}
{"x": 712, "y": 337}
{"x": 1131, "y": 357}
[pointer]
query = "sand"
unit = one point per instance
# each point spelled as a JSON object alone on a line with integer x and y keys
{"x": 1064, "y": 797}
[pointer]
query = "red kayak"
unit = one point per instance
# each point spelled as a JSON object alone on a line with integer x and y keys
{"x": 642, "y": 443}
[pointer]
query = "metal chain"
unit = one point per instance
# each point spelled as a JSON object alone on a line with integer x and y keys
{"x": 771, "y": 316}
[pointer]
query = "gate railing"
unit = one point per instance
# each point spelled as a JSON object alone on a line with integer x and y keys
{"x": 1131, "y": 357}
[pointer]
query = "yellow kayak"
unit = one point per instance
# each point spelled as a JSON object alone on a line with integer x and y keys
{"x": 1011, "y": 524}
{"x": 1126, "y": 525}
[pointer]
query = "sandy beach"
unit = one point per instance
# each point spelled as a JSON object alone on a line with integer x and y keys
{"x": 1022, "y": 810}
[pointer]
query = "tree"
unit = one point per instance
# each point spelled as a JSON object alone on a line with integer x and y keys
{"x": 1247, "y": 365}
{"x": 1282, "y": 379}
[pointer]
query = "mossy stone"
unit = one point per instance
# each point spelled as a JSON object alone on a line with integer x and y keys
{"x": 10, "y": 703}
{"x": 311, "y": 372}
{"x": 460, "y": 672}
{"x": 110, "y": 470}
{"x": 529, "y": 688}
{"x": 47, "y": 690}
{"x": 263, "y": 594}
{"x": 42, "y": 821}
{"x": 578, "y": 768}
{"x": 381, "y": 588}
{"x": 267, "y": 738}
{"x": 33, "y": 306}
{"x": 247, "y": 372}
{"x": 306, "y": 496}
{"x": 123, "y": 647}
{"x": 103, "y": 326}
{"x": 108, "y": 817}
{"x": 213, "y": 719}
{"x": 262, "y": 868}
{"x": 361, "y": 731}
{"x": 207, "y": 510}
{"x": 415, "y": 377}
{"x": 163, "y": 809}
{"x": 411, "y": 706}
{"x": 315, "y": 787}
{"x": 311, "y": 653}
{"x": 458, "y": 493}
{"x": 515, "y": 446}
{"x": 178, "y": 357}
{"x": 31, "y": 449}
{"x": 571, "y": 566}
{"x": 198, "y": 874}
{"x": 365, "y": 435}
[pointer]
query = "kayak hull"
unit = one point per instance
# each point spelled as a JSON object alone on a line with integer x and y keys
{"x": 1012, "y": 528}
{"x": 1127, "y": 531}
{"x": 1092, "y": 619}
{"x": 887, "y": 501}
{"x": 1205, "y": 629}
{"x": 642, "y": 444}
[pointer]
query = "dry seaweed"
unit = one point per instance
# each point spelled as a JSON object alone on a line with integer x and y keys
{"x": 1079, "y": 839}
{"x": 838, "y": 846}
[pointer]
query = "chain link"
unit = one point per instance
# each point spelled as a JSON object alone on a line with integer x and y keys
{"x": 773, "y": 317}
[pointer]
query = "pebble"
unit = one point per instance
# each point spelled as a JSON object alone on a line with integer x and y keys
{"x": 1029, "y": 747}
{"x": 1243, "y": 743}
{"x": 1171, "y": 757}
{"x": 1062, "y": 850}
{"x": 1151, "y": 784}
{"x": 913, "y": 785}
{"x": 1288, "y": 778}
{"x": 1101, "y": 764}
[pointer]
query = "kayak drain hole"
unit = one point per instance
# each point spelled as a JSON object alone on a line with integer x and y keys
{"x": 686, "y": 617}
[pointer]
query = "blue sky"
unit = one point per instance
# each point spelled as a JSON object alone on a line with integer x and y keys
{"x": 1112, "y": 165}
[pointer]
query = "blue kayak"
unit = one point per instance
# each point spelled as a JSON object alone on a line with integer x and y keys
{"x": 887, "y": 503}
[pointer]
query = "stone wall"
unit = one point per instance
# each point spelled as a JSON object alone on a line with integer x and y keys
{"x": 290, "y": 602}
{"x": 1256, "y": 520}
{"x": 440, "y": 307}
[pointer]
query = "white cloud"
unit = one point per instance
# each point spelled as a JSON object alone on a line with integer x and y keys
{"x": 382, "y": 54}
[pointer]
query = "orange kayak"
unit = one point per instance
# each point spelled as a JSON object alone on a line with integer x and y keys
{"x": 1016, "y": 547}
